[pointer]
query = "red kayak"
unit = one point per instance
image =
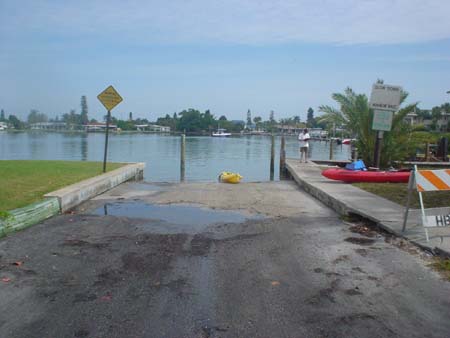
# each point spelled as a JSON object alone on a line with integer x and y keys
{"x": 351, "y": 176}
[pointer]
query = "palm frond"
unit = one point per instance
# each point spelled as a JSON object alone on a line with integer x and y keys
{"x": 355, "y": 114}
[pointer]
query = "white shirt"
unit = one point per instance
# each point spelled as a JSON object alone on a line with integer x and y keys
{"x": 303, "y": 140}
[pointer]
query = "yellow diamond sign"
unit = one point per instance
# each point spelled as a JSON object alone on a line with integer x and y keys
{"x": 110, "y": 98}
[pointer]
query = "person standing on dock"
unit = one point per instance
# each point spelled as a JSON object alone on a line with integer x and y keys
{"x": 303, "y": 139}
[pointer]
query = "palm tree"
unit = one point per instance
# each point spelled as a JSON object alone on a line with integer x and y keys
{"x": 356, "y": 117}
{"x": 257, "y": 120}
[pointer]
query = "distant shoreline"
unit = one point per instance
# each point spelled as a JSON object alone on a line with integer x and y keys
{"x": 172, "y": 133}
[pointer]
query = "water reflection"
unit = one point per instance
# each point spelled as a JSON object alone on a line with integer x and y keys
{"x": 84, "y": 147}
{"x": 34, "y": 142}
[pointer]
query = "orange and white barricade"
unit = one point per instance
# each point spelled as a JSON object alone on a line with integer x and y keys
{"x": 423, "y": 181}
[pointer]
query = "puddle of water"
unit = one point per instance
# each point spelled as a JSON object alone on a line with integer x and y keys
{"x": 174, "y": 214}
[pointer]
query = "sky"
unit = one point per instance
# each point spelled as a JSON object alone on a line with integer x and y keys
{"x": 226, "y": 56}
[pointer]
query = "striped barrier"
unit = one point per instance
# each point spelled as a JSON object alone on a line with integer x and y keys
{"x": 423, "y": 181}
{"x": 432, "y": 180}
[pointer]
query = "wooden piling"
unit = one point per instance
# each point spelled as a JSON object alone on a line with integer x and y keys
{"x": 272, "y": 158}
{"x": 182, "y": 157}
{"x": 283, "y": 158}
{"x": 331, "y": 149}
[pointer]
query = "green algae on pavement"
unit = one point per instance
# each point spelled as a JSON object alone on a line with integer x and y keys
{"x": 23, "y": 182}
{"x": 443, "y": 266}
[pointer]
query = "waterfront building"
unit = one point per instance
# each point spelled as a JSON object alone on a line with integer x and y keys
{"x": 440, "y": 124}
{"x": 288, "y": 129}
{"x": 48, "y": 126}
{"x": 98, "y": 126}
{"x": 318, "y": 133}
{"x": 315, "y": 133}
{"x": 153, "y": 127}
{"x": 412, "y": 119}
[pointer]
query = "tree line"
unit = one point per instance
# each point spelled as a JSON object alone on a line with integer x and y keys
{"x": 71, "y": 118}
{"x": 189, "y": 120}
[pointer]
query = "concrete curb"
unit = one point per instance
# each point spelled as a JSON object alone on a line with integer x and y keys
{"x": 27, "y": 216}
{"x": 69, "y": 197}
{"x": 352, "y": 200}
{"x": 72, "y": 195}
{"x": 335, "y": 204}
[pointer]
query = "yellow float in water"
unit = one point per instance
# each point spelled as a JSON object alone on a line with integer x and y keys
{"x": 227, "y": 177}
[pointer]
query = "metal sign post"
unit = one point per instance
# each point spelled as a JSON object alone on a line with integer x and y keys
{"x": 384, "y": 99}
{"x": 382, "y": 121}
{"x": 108, "y": 118}
{"x": 377, "y": 152}
{"x": 109, "y": 98}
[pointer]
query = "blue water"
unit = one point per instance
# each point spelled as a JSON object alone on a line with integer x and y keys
{"x": 206, "y": 157}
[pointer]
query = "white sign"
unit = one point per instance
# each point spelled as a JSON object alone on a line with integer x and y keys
{"x": 382, "y": 120}
{"x": 385, "y": 97}
{"x": 437, "y": 221}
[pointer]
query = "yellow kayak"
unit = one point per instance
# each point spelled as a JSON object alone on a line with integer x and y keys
{"x": 227, "y": 177}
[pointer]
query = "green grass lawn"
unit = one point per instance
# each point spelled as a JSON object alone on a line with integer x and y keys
{"x": 25, "y": 182}
{"x": 397, "y": 193}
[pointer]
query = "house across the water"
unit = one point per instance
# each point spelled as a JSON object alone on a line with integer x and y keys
{"x": 153, "y": 127}
{"x": 99, "y": 127}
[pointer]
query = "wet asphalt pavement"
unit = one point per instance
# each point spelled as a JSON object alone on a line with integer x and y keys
{"x": 272, "y": 263}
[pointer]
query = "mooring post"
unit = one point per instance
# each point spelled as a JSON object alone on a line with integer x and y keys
{"x": 272, "y": 157}
{"x": 182, "y": 157}
{"x": 331, "y": 149}
{"x": 282, "y": 157}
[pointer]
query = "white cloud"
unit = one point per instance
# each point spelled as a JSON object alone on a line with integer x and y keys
{"x": 236, "y": 21}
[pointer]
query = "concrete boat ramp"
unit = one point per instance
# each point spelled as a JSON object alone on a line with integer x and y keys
{"x": 214, "y": 260}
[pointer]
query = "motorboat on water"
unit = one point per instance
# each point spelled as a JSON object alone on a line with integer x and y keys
{"x": 221, "y": 133}
{"x": 348, "y": 140}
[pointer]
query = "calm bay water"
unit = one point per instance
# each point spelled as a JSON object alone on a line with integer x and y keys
{"x": 206, "y": 157}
